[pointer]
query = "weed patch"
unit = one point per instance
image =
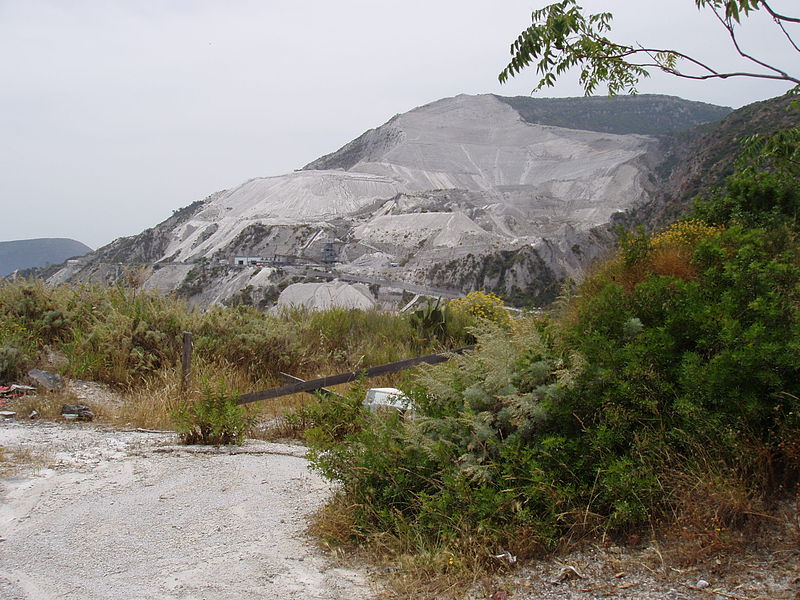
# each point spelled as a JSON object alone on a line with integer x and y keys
{"x": 215, "y": 419}
{"x": 14, "y": 461}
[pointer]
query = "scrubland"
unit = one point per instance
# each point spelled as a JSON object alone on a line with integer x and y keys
{"x": 658, "y": 400}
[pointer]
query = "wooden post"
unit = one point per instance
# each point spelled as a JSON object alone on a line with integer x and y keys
{"x": 186, "y": 363}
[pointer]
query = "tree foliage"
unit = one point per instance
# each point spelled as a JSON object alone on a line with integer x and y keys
{"x": 562, "y": 37}
{"x": 763, "y": 191}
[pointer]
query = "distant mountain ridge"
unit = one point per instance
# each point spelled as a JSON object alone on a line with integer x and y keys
{"x": 38, "y": 252}
{"x": 645, "y": 114}
{"x": 510, "y": 195}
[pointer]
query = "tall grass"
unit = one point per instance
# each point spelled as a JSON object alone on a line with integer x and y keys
{"x": 131, "y": 339}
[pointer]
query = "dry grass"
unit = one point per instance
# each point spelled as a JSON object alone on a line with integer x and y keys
{"x": 14, "y": 461}
{"x": 716, "y": 510}
{"x": 672, "y": 262}
{"x": 47, "y": 404}
{"x": 150, "y": 405}
{"x": 411, "y": 568}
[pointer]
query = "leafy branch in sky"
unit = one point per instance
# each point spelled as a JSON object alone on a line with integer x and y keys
{"x": 562, "y": 37}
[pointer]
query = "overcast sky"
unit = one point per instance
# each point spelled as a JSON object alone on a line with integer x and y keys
{"x": 113, "y": 113}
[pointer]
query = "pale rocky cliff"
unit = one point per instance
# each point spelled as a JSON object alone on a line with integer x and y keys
{"x": 464, "y": 193}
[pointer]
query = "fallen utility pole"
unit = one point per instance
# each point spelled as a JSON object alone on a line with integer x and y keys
{"x": 324, "y": 391}
{"x": 322, "y": 382}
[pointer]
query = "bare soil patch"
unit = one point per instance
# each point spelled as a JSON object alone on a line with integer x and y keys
{"x": 105, "y": 514}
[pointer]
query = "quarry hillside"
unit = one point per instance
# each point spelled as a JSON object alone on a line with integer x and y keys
{"x": 510, "y": 195}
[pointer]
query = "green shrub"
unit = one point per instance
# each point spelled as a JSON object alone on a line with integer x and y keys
{"x": 12, "y": 362}
{"x": 467, "y": 463}
{"x": 215, "y": 419}
{"x": 431, "y": 320}
{"x": 329, "y": 419}
{"x": 674, "y": 369}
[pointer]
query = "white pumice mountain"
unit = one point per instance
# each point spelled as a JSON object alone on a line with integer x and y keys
{"x": 511, "y": 195}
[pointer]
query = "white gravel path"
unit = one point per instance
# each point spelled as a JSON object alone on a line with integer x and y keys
{"x": 129, "y": 515}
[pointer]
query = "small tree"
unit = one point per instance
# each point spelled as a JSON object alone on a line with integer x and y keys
{"x": 562, "y": 37}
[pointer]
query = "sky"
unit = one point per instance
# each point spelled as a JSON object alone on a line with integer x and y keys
{"x": 115, "y": 113}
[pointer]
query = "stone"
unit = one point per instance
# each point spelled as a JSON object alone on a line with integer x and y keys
{"x": 47, "y": 379}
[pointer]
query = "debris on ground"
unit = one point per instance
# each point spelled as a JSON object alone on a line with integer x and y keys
{"x": 766, "y": 571}
{"x": 566, "y": 573}
{"x": 507, "y": 556}
{"x": 14, "y": 390}
{"x": 79, "y": 412}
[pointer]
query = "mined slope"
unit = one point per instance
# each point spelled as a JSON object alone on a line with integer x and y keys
{"x": 645, "y": 114}
{"x": 475, "y": 144}
{"x": 463, "y": 193}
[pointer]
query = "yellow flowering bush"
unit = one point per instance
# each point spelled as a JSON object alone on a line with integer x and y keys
{"x": 670, "y": 252}
{"x": 482, "y": 305}
{"x": 684, "y": 235}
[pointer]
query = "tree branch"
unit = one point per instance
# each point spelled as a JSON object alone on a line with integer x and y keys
{"x": 627, "y": 51}
{"x": 786, "y": 33}
{"x": 677, "y": 73}
{"x": 729, "y": 27}
{"x": 562, "y": 37}
{"x": 778, "y": 17}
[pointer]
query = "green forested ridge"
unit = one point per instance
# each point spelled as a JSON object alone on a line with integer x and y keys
{"x": 647, "y": 114}
{"x": 699, "y": 160}
{"x": 27, "y": 254}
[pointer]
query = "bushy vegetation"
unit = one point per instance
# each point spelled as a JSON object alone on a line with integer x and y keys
{"x": 123, "y": 336}
{"x": 667, "y": 388}
{"x": 483, "y": 306}
{"x": 131, "y": 339}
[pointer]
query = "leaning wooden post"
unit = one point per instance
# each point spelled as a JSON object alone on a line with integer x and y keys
{"x": 187, "y": 361}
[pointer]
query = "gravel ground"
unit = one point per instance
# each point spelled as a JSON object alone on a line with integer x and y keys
{"x": 94, "y": 513}
{"x": 644, "y": 574}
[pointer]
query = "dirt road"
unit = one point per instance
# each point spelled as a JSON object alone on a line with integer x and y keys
{"x": 129, "y": 515}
